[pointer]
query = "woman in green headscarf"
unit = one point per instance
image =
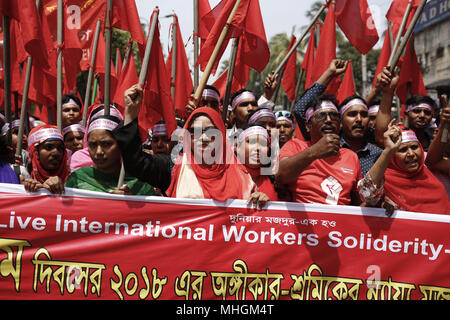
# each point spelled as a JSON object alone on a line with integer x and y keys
{"x": 104, "y": 174}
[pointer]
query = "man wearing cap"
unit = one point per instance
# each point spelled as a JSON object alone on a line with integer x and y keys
{"x": 319, "y": 170}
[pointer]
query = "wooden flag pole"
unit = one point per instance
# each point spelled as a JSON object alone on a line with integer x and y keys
{"x": 215, "y": 53}
{"x": 226, "y": 98}
{"x": 400, "y": 31}
{"x": 7, "y": 73}
{"x": 23, "y": 111}
{"x": 148, "y": 47}
{"x": 297, "y": 88}
{"x": 196, "y": 44}
{"x": 108, "y": 35}
{"x": 299, "y": 40}
{"x": 408, "y": 34}
{"x": 91, "y": 72}
{"x": 174, "y": 58}
{"x": 26, "y": 88}
{"x": 143, "y": 73}
{"x": 60, "y": 26}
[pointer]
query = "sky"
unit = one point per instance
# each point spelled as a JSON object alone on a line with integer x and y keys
{"x": 279, "y": 16}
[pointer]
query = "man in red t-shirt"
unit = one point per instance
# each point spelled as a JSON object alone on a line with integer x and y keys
{"x": 319, "y": 170}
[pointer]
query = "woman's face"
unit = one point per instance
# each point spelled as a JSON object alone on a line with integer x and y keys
{"x": 51, "y": 154}
{"x": 204, "y": 135}
{"x": 409, "y": 156}
{"x": 104, "y": 151}
{"x": 14, "y": 137}
{"x": 253, "y": 150}
{"x": 74, "y": 140}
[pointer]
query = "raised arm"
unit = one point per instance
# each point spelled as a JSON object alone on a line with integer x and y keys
{"x": 388, "y": 83}
{"x": 436, "y": 158}
{"x": 153, "y": 169}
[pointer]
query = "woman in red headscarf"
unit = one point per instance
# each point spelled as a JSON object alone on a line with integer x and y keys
{"x": 48, "y": 160}
{"x": 208, "y": 169}
{"x": 409, "y": 185}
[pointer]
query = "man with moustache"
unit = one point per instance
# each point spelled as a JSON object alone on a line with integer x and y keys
{"x": 319, "y": 170}
{"x": 354, "y": 134}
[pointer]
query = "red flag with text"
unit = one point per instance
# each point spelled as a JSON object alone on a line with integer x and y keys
{"x": 356, "y": 21}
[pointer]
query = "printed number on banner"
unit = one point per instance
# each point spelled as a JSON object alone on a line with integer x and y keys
{"x": 332, "y": 188}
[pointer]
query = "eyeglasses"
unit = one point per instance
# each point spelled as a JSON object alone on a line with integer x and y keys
{"x": 322, "y": 116}
{"x": 283, "y": 113}
{"x": 197, "y": 132}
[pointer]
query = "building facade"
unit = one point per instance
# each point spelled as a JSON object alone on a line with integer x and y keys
{"x": 432, "y": 45}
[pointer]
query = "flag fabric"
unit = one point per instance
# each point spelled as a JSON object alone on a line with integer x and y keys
{"x": 183, "y": 80}
{"x": 347, "y": 87}
{"x": 248, "y": 27}
{"x": 26, "y": 14}
{"x": 205, "y": 20}
{"x": 126, "y": 17}
{"x": 157, "y": 102}
{"x": 326, "y": 50}
{"x": 383, "y": 58}
{"x": 221, "y": 83}
{"x": 289, "y": 78}
{"x": 411, "y": 74}
{"x": 308, "y": 59}
{"x": 397, "y": 11}
{"x": 127, "y": 78}
{"x": 356, "y": 21}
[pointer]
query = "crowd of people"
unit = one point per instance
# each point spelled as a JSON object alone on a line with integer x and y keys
{"x": 349, "y": 152}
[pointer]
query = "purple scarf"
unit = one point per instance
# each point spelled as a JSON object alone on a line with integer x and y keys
{"x": 7, "y": 175}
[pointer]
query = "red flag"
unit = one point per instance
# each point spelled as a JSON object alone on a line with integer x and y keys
{"x": 157, "y": 98}
{"x": 43, "y": 82}
{"x": 26, "y": 13}
{"x": 127, "y": 78}
{"x": 221, "y": 83}
{"x": 410, "y": 73}
{"x": 308, "y": 59}
{"x": 205, "y": 21}
{"x": 397, "y": 11}
{"x": 289, "y": 78}
{"x": 356, "y": 21}
{"x": 183, "y": 81}
{"x": 326, "y": 50}
{"x": 347, "y": 87}
{"x": 383, "y": 59}
{"x": 126, "y": 17}
{"x": 248, "y": 27}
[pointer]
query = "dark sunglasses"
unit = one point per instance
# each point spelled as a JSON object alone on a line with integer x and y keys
{"x": 283, "y": 113}
{"x": 322, "y": 116}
